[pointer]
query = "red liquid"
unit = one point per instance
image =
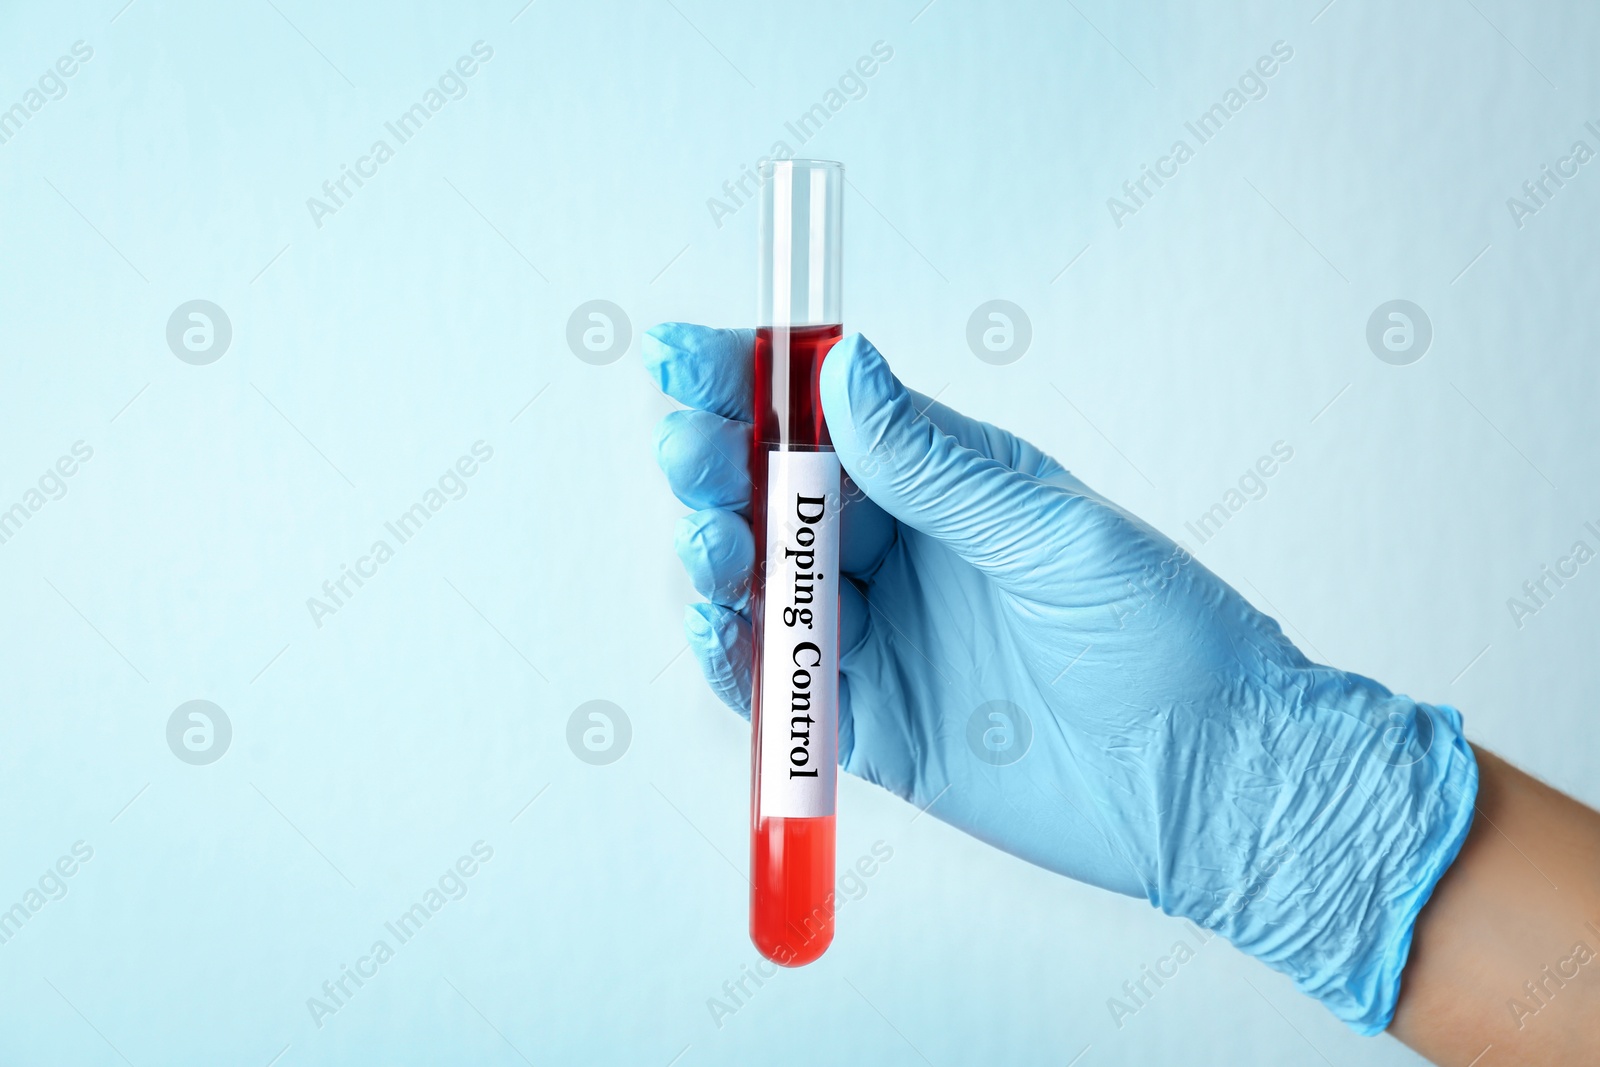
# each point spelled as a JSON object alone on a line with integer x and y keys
{"x": 791, "y": 860}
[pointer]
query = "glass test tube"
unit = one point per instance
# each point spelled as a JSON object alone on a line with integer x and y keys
{"x": 795, "y": 517}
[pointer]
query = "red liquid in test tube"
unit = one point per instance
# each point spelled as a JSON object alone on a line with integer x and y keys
{"x": 795, "y": 508}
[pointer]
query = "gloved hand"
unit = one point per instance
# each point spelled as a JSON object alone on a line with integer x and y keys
{"x": 1051, "y": 675}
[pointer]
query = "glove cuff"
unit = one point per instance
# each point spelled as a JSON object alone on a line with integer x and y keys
{"x": 1369, "y": 799}
{"x": 1427, "y": 822}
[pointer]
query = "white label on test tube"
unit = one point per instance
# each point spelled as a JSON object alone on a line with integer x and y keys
{"x": 800, "y": 638}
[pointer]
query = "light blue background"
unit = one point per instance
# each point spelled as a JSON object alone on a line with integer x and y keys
{"x": 370, "y": 353}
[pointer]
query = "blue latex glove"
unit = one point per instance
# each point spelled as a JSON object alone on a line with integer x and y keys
{"x": 1173, "y": 743}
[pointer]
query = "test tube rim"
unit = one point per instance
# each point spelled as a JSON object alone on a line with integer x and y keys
{"x": 768, "y": 166}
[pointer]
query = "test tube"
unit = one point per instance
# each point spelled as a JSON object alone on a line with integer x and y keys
{"x": 795, "y": 612}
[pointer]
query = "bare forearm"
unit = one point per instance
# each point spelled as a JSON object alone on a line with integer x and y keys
{"x": 1505, "y": 961}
